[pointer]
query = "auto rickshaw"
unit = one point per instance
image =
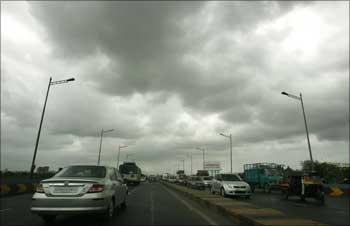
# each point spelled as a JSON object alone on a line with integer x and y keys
{"x": 305, "y": 185}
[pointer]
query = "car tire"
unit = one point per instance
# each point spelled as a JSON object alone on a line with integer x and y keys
{"x": 212, "y": 191}
{"x": 222, "y": 192}
{"x": 109, "y": 214}
{"x": 48, "y": 218}
{"x": 123, "y": 204}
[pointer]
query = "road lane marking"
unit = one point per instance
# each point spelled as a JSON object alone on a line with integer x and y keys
{"x": 5, "y": 210}
{"x": 190, "y": 207}
{"x": 152, "y": 206}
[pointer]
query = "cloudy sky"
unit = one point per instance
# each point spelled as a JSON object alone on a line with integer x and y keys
{"x": 169, "y": 77}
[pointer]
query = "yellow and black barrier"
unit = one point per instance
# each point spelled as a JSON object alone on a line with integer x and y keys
{"x": 13, "y": 189}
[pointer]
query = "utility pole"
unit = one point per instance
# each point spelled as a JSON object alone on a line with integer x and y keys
{"x": 300, "y": 98}
{"x": 42, "y": 118}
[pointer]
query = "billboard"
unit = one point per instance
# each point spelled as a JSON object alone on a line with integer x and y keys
{"x": 212, "y": 166}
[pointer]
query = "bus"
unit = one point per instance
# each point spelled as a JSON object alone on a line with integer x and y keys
{"x": 131, "y": 173}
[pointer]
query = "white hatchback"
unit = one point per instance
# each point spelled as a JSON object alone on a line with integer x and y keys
{"x": 230, "y": 185}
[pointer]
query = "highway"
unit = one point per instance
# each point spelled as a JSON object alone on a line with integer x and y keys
{"x": 148, "y": 204}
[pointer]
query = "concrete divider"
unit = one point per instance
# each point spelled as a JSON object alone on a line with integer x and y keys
{"x": 14, "y": 189}
{"x": 242, "y": 213}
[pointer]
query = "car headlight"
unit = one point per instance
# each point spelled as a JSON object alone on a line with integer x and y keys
{"x": 228, "y": 186}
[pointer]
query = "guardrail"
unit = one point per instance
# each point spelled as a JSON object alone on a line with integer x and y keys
{"x": 242, "y": 213}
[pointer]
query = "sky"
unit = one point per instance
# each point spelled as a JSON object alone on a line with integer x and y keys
{"x": 169, "y": 77}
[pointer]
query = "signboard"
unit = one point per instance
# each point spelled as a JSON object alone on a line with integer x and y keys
{"x": 212, "y": 166}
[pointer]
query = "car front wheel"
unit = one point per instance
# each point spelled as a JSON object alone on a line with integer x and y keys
{"x": 223, "y": 193}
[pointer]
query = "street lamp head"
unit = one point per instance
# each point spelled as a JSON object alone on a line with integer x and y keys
{"x": 107, "y": 131}
{"x": 70, "y": 80}
{"x": 284, "y": 93}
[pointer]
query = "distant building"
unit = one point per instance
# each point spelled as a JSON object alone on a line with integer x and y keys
{"x": 42, "y": 169}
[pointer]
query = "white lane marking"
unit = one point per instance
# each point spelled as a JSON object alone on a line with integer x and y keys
{"x": 152, "y": 207}
{"x": 190, "y": 207}
{"x": 5, "y": 210}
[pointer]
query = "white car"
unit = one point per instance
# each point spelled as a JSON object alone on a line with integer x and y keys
{"x": 230, "y": 185}
{"x": 80, "y": 189}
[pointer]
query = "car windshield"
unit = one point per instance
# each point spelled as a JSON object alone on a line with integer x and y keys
{"x": 230, "y": 177}
{"x": 196, "y": 178}
{"x": 83, "y": 171}
{"x": 207, "y": 178}
{"x": 128, "y": 168}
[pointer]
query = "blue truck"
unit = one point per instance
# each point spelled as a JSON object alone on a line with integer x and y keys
{"x": 263, "y": 175}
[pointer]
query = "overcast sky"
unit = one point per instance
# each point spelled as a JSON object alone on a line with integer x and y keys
{"x": 169, "y": 77}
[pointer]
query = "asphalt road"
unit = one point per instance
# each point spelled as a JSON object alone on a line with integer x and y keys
{"x": 148, "y": 204}
{"x": 336, "y": 210}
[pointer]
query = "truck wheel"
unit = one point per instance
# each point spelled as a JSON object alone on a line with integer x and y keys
{"x": 267, "y": 188}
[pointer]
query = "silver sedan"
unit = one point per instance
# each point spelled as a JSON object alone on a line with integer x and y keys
{"x": 80, "y": 189}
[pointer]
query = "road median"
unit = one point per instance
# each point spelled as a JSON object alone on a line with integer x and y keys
{"x": 241, "y": 212}
{"x": 16, "y": 189}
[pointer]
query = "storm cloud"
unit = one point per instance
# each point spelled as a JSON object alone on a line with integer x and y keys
{"x": 171, "y": 76}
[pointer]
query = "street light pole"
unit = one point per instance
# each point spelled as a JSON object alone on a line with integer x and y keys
{"x": 191, "y": 163}
{"x": 306, "y": 128}
{"x": 307, "y": 133}
{"x": 202, "y": 149}
{"x": 120, "y": 147}
{"x": 230, "y": 137}
{"x": 99, "y": 153}
{"x": 41, "y": 120}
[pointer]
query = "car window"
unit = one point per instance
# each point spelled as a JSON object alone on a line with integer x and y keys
{"x": 230, "y": 177}
{"x": 83, "y": 171}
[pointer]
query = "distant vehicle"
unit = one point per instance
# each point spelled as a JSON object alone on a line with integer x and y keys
{"x": 80, "y": 189}
{"x": 131, "y": 172}
{"x": 172, "y": 179}
{"x": 230, "y": 184}
{"x": 263, "y": 175}
{"x": 165, "y": 176}
{"x": 196, "y": 183}
{"x": 208, "y": 181}
{"x": 152, "y": 178}
{"x": 181, "y": 179}
{"x": 179, "y": 172}
{"x": 305, "y": 185}
{"x": 202, "y": 173}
